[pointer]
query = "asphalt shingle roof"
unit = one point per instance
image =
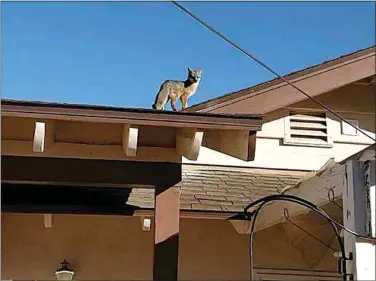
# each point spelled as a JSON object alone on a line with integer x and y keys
{"x": 221, "y": 189}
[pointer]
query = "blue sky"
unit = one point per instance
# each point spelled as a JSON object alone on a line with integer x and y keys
{"x": 118, "y": 53}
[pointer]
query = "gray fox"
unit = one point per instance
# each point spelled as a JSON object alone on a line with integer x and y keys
{"x": 173, "y": 90}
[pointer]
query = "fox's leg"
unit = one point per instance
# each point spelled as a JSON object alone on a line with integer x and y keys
{"x": 184, "y": 101}
{"x": 172, "y": 102}
{"x": 163, "y": 102}
{"x": 173, "y": 98}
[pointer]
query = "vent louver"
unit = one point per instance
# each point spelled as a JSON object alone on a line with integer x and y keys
{"x": 307, "y": 129}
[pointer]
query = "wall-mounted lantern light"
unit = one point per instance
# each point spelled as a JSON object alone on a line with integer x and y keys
{"x": 65, "y": 272}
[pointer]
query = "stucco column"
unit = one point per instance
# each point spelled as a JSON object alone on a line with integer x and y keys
{"x": 166, "y": 233}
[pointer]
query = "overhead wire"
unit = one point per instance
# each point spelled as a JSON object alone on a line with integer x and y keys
{"x": 267, "y": 67}
{"x": 287, "y": 218}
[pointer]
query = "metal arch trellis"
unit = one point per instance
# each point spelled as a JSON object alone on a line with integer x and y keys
{"x": 300, "y": 201}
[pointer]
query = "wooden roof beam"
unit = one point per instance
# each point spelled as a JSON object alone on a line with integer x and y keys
{"x": 234, "y": 135}
{"x": 188, "y": 142}
{"x": 39, "y": 136}
{"x": 44, "y": 134}
{"x": 238, "y": 144}
{"x": 130, "y": 140}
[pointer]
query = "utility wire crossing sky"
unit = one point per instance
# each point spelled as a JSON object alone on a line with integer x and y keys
{"x": 119, "y": 53}
{"x": 268, "y": 68}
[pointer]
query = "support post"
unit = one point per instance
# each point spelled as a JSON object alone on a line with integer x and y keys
{"x": 358, "y": 212}
{"x": 166, "y": 233}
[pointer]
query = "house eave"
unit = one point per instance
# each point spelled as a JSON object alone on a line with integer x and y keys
{"x": 181, "y": 133}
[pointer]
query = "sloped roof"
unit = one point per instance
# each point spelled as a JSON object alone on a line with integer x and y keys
{"x": 221, "y": 189}
{"x": 207, "y": 105}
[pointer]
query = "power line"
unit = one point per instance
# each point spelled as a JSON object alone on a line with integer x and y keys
{"x": 266, "y": 67}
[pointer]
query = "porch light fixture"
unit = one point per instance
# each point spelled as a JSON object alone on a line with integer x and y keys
{"x": 65, "y": 272}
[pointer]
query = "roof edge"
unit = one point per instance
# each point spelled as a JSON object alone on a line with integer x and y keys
{"x": 293, "y": 75}
{"x": 97, "y": 113}
{"x": 44, "y": 104}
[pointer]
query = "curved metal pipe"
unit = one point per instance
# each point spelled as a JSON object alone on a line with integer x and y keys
{"x": 299, "y": 201}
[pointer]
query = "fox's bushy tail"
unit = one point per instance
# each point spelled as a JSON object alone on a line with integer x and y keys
{"x": 160, "y": 98}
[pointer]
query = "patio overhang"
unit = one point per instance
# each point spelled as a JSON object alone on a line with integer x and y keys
{"x": 97, "y": 132}
{"x": 65, "y": 146}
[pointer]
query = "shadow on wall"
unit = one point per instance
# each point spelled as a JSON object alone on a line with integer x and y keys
{"x": 65, "y": 199}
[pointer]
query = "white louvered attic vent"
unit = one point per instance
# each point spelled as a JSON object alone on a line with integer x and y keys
{"x": 307, "y": 129}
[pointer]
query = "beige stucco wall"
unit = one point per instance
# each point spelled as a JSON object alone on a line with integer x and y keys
{"x": 116, "y": 248}
{"x": 350, "y": 102}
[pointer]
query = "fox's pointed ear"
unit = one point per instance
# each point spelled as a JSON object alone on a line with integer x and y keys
{"x": 199, "y": 70}
{"x": 190, "y": 69}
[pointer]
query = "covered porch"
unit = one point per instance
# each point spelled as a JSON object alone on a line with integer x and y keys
{"x": 62, "y": 164}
